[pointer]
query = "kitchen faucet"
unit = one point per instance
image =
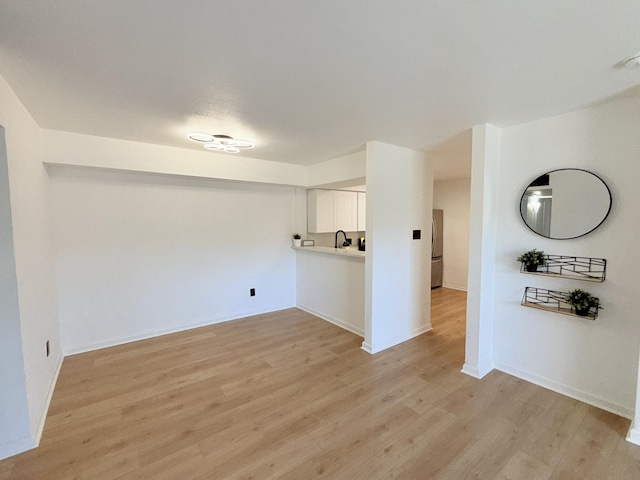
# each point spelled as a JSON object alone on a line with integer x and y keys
{"x": 335, "y": 244}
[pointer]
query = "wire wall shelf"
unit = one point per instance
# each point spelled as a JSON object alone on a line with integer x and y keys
{"x": 577, "y": 268}
{"x": 553, "y": 301}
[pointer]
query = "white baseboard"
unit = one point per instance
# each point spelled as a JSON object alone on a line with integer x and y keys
{"x": 475, "y": 372}
{"x": 366, "y": 346}
{"x": 168, "y": 331}
{"x": 28, "y": 443}
{"x": 471, "y": 371}
{"x": 330, "y": 319}
{"x": 454, "y": 287}
{"x": 47, "y": 403}
{"x": 569, "y": 391}
{"x": 393, "y": 341}
{"x": 634, "y": 435}
{"x": 17, "y": 446}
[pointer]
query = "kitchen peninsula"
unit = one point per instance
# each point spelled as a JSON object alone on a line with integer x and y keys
{"x": 330, "y": 284}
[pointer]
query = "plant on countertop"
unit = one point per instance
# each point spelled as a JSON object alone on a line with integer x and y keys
{"x": 582, "y": 301}
{"x": 297, "y": 240}
{"x": 532, "y": 259}
{"x": 297, "y": 236}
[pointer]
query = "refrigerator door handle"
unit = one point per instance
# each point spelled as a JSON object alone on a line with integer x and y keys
{"x": 434, "y": 235}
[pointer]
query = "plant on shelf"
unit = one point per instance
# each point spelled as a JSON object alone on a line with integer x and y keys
{"x": 532, "y": 259}
{"x": 297, "y": 239}
{"x": 582, "y": 301}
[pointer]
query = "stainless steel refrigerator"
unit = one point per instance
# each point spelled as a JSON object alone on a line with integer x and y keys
{"x": 436, "y": 249}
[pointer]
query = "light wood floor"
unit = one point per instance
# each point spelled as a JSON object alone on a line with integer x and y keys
{"x": 289, "y": 396}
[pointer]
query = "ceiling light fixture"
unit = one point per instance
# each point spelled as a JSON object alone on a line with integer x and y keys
{"x": 221, "y": 148}
{"x": 220, "y": 143}
{"x": 200, "y": 137}
{"x": 632, "y": 62}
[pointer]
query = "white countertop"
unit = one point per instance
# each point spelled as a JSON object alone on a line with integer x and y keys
{"x": 347, "y": 252}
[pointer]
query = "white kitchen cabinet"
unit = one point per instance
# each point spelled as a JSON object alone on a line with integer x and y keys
{"x": 332, "y": 210}
{"x": 362, "y": 211}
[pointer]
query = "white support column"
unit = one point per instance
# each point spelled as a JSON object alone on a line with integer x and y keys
{"x": 634, "y": 431}
{"x": 397, "y": 267}
{"x": 15, "y": 434}
{"x": 485, "y": 169}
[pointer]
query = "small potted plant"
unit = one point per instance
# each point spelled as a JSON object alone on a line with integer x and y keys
{"x": 582, "y": 301}
{"x": 297, "y": 240}
{"x": 532, "y": 259}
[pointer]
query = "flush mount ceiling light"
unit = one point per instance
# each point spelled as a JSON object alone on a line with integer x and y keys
{"x": 632, "y": 62}
{"x": 220, "y": 143}
{"x": 221, "y": 148}
{"x": 200, "y": 137}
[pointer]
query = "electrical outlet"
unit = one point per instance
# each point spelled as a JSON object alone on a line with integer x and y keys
{"x": 48, "y": 348}
{"x": 349, "y": 241}
{"x": 252, "y": 292}
{"x": 416, "y": 234}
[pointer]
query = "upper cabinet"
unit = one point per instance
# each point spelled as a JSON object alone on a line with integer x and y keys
{"x": 320, "y": 211}
{"x": 362, "y": 211}
{"x": 332, "y": 210}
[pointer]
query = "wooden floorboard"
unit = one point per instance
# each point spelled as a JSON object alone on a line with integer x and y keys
{"x": 286, "y": 395}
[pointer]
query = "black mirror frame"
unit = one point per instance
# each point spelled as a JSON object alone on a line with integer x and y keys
{"x": 560, "y": 170}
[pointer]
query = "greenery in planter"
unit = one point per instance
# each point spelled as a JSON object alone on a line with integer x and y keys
{"x": 296, "y": 236}
{"x": 532, "y": 259}
{"x": 582, "y": 301}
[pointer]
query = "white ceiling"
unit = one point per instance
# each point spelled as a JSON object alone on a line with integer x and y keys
{"x": 311, "y": 80}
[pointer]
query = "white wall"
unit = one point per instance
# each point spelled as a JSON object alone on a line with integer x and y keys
{"x": 14, "y": 412}
{"x": 397, "y": 268}
{"x": 74, "y": 149}
{"x": 332, "y": 287}
{"x": 594, "y": 361}
{"x": 29, "y": 189}
{"x": 334, "y": 172}
{"x": 485, "y": 177}
{"x": 140, "y": 254}
{"x": 452, "y": 196}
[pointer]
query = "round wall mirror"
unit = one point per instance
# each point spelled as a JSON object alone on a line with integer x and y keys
{"x": 565, "y": 203}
